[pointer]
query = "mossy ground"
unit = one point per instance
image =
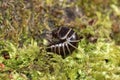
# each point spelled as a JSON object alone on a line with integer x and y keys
{"x": 23, "y": 55}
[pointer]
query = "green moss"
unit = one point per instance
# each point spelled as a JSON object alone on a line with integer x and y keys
{"x": 23, "y": 21}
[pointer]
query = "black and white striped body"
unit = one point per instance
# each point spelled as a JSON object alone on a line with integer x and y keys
{"x": 64, "y": 42}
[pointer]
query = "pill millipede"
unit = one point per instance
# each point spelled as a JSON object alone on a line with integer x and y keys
{"x": 64, "y": 41}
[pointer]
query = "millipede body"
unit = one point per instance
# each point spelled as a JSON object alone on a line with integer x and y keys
{"x": 64, "y": 41}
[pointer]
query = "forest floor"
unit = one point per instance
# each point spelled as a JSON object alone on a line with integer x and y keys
{"x": 22, "y": 50}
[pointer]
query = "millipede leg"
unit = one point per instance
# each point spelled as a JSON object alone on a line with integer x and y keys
{"x": 63, "y": 49}
{"x": 67, "y": 47}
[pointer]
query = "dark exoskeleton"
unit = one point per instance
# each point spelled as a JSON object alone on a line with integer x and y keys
{"x": 64, "y": 41}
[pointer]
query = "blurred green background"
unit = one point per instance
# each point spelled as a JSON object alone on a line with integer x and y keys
{"x": 23, "y": 55}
